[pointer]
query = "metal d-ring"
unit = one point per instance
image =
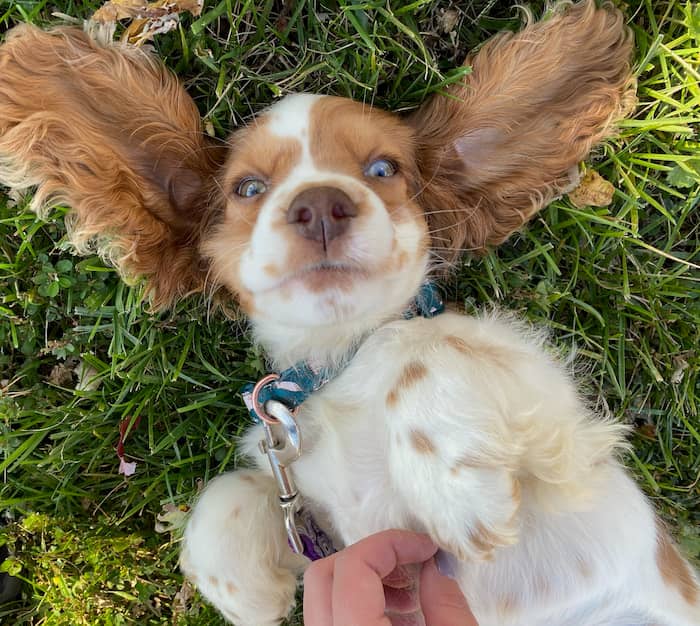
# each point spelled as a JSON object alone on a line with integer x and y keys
{"x": 257, "y": 405}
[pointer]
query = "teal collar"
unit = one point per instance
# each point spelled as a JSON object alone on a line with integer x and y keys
{"x": 295, "y": 384}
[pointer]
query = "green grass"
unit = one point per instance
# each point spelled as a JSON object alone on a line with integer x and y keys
{"x": 620, "y": 285}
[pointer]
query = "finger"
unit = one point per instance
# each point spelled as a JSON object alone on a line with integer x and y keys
{"x": 441, "y": 599}
{"x": 318, "y": 592}
{"x": 358, "y": 592}
{"x": 401, "y": 589}
{"x": 412, "y": 619}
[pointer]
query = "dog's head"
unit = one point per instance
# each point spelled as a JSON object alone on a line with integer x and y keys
{"x": 322, "y": 211}
{"x": 321, "y": 221}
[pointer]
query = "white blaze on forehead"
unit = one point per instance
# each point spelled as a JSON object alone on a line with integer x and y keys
{"x": 291, "y": 117}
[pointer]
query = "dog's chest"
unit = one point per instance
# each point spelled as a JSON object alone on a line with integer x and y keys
{"x": 343, "y": 473}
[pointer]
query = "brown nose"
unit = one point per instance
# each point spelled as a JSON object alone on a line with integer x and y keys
{"x": 321, "y": 213}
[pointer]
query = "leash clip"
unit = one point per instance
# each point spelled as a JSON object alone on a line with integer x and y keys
{"x": 282, "y": 445}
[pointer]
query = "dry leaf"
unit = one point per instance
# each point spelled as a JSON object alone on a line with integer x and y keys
{"x": 171, "y": 518}
{"x": 61, "y": 375}
{"x": 149, "y": 19}
{"x": 448, "y": 20}
{"x": 593, "y": 190}
{"x": 183, "y": 599}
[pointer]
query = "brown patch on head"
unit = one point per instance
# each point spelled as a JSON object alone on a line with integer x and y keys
{"x": 674, "y": 570}
{"x": 422, "y": 443}
{"x": 412, "y": 373}
{"x": 346, "y": 136}
{"x": 257, "y": 153}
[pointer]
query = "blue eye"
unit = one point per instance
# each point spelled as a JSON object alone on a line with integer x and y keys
{"x": 380, "y": 168}
{"x": 250, "y": 187}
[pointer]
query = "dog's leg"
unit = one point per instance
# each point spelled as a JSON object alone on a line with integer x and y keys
{"x": 235, "y": 550}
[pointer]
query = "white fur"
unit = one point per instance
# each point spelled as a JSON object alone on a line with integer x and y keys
{"x": 488, "y": 447}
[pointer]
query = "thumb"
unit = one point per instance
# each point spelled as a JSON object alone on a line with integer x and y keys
{"x": 441, "y": 600}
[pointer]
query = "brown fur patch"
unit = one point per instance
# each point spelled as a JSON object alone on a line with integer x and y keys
{"x": 411, "y": 374}
{"x": 213, "y": 581}
{"x": 500, "y": 146}
{"x": 113, "y": 134}
{"x": 674, "y": 570}
{"x": 482, "y": 538}
{"x": 516, "y": 491}
{"x": 231, "y": 588}
{"x": 495, "y": 354}
{"x": 256, "y": 152}
{"x": 422, "y": 443}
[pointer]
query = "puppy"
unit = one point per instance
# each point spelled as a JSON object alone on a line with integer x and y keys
{"x": 323, "y": 219}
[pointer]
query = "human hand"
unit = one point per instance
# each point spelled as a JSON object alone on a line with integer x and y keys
{"x": 357, "y": 586}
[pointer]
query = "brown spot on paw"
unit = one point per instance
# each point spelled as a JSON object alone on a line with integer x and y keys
{"x": 412, "y": 373}
{"x": 422, "y": 443}
{"x": 674, "y": 570}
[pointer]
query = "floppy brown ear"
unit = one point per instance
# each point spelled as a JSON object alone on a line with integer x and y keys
{"x": 112, "y": 134}
{"x": 503, "y": 144}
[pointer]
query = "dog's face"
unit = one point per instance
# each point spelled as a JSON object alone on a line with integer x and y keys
{"x": 321, "y": 223}
{"x": 316, "y": 213}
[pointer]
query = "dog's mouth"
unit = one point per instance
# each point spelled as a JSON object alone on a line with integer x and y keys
{"x": 324, "y": 275}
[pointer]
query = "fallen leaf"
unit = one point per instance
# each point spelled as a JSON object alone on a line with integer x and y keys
{"x": 593, "y": 190}
{"x": 148, "y": 18}
{"x": 183, "y": 598}
{"x": 61, "y": 375}
{"x": 448, "y": 20}
{"x": 171, "y": 518}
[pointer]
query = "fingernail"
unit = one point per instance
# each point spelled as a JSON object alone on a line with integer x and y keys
{"x": 446, "y": 563}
